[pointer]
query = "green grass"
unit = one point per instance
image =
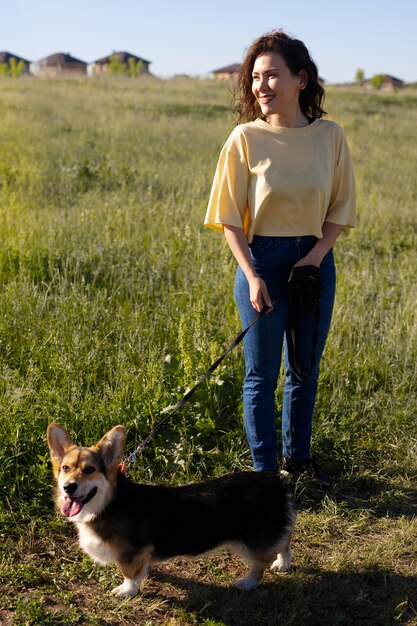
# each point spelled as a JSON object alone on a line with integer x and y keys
{"x": 114, "y": 300}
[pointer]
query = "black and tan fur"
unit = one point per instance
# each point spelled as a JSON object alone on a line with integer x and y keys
{"x": 135, "y": 525}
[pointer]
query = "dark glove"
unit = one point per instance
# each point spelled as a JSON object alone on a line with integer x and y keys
{"x": 305, "y": 287}
{"x": 304, "y": 290}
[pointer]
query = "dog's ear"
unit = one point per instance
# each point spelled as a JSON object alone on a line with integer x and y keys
{"x": 59, "y": 441}
{"x": 112, "y": 445}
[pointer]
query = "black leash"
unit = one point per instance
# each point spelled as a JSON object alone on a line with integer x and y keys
{"x": 304, "y": 295}
{"x": 133, "y": 455}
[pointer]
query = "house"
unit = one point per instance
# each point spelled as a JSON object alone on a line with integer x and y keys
{"x": 384, "y": 82}
{"x": 226, "y": 73}
{"x": 391, "y": 83}
{"x": 5, "y": 59}
{"x": 59, "y": 64}
{"x": 101, "y": 66}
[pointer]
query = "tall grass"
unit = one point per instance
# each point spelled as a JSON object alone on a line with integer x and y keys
{"x": 114, "y": 298}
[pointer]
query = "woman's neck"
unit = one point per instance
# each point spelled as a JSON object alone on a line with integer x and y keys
{"x": 293, "y": 119}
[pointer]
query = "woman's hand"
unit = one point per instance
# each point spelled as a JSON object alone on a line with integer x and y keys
{"x": 321, "y": 247}
{"x": 259, "y": 296}
{"x": 238, "y": 244}
{"x": 309, "y": 259}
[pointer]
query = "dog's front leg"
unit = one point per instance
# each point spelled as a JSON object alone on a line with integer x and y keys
{"x": 130, "y": 586}
{"x": 134, "y": 574}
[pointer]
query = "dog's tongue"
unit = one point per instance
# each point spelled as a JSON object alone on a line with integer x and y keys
{"x": 71, "y": 507}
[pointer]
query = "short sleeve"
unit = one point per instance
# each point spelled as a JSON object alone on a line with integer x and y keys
{"x": 342, "y": 207}
{"x": 228, "y": 200}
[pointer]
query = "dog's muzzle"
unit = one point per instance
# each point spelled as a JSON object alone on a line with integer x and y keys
{"x": 73, "y": 505}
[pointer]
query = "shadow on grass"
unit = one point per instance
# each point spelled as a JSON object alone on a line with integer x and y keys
{"x": 306, "y": 596}
{"x": 383, "y": 496}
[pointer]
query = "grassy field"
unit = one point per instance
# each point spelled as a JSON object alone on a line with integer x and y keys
{"x": 114, "y": 300}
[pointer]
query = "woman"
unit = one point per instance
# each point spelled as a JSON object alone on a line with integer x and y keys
{"x": 283, "y": 191}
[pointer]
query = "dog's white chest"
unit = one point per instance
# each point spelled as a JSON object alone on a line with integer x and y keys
{"x": 94, "y": 546}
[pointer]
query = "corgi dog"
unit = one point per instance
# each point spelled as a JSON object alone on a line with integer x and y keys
{"x": 134, "y": 525}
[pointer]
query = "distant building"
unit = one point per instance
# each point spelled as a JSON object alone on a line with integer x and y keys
{"x": 227, "y": 72}
{"x": 387, "y": 83}
{"x": 391, "y": 82}
{"x": 5, "y": 57}
{"x": 59, "y": 64}
{"x": 101, "y": 66}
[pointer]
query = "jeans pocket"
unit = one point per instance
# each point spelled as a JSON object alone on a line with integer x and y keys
{"x": 263, "y": 244}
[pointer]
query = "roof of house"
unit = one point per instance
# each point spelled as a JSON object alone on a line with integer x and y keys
{"x": 228, "y": 69}
{"x": 387, "y": 78}
{"x": 60, "y": 58}
{"x": 392, "y": 78}
{"x": 122, "y": 56}
{"x": 6, "y": 56}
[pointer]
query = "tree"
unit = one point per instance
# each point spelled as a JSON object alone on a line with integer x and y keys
{"x": 131, "y": 68}
{"x": 377, "y": 81}
{"x": 359, "y": 76}
{"x": 116, "y": 66}
{"x": 135, "y": 68}
{"x": 16, "y": 67}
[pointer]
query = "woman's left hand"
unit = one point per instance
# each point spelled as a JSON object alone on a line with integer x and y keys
{"x": 306, "y": 260}
{"x": 309, "y": 259}
{"x": 321, "y": 247}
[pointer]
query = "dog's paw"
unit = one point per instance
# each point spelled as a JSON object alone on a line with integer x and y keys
{"x": 126, "y": 590}
{"x": 247, "y": 583}
{"x": 282, "y": 563}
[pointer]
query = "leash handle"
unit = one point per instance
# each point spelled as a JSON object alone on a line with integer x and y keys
{"x": 133, "y": 455}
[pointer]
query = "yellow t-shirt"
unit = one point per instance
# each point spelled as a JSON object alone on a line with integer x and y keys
{"x": 283, "y": 181}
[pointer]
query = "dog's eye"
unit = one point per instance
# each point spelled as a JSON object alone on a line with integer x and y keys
{"x": 89, "y": 469}
{"x": 65, "y": 468}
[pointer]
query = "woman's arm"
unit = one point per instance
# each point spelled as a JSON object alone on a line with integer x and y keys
{"x": 238, "y": 244}
{"x": 321, "y": 248}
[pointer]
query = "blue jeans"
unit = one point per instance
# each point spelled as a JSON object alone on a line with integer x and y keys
{"x": 273, "y": 259}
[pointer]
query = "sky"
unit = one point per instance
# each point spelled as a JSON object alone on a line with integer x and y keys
{"x": 196, "y": 36}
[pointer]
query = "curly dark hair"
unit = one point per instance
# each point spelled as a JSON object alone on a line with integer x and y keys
{"x": 296, "y": 57}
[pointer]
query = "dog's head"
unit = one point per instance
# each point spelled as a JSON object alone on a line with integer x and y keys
{"x": 85, "y": 477}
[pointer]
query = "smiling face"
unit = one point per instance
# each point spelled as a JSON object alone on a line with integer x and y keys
{"x": 81, "y": 477}
{"x": 275, "y": 88}
{"x": 85, "y": 477}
